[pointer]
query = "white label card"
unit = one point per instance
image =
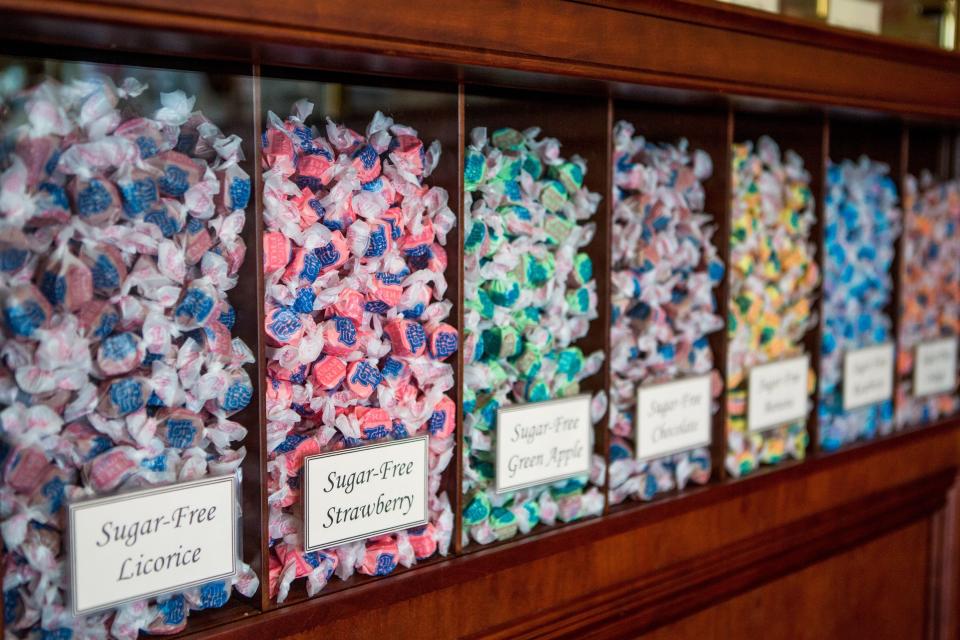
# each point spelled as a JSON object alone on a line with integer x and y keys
{"x": 673, "y": 417}
{"x": 867, "y": 376}
{"x": 862, "y": 15}
{"x": 935, "y": 367}
{"x": 773, "y": 6}
{"x": 363, "y": 492}
{"x": 777, "y": 393}
{"x": 147, "y": 543}
{"x": 543, "y": 442}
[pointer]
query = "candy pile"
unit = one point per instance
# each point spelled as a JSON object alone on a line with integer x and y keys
{"x": 529, "y": 294}
{"x": 119, "y": 239}
{"x": 355, "y": 310}
{"x": 862, "y": 225}
{"x": 930, "y": 289}
{"x": 664, "y": 270}
{"x": 773, "y": 279}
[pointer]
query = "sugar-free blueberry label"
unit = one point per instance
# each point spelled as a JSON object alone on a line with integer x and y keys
{"x": 935, "y": 367}
{"x": 542, "y": 442}
{"x": 673, "y": 417}
{"x": 368, "y": 491}
{"x": 147, "y": 543}
{"x": 777, "y": 393}
{"x": 867, "y": 376}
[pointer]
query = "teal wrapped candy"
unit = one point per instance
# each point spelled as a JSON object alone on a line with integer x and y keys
{"x": 477, "y": 511}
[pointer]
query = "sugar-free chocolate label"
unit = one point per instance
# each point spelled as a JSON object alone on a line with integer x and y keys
{"x": 542, "y": 442}
{"x": 673, "y": 417}
{"x": 867, "y": 376}
{"x": 935, "y": 367}
{"x": 363, "y": 492}
{"x": 147, "y": 543}
{"x": 777, "y": 393}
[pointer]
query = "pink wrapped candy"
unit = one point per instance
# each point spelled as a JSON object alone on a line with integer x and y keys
{"x": 355, "y": 286}
{"x": 117, "y": 258}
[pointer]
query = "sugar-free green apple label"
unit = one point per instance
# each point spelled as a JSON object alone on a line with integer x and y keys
{"x": 147, "y": 543}
{"x": 363, "y": 492}
{"x": 935, "y": 367}
{"x": 673, "y": 417}
{"x": 867, "y": 376}
{"x": 777, "y": 393}
{"x": 542, "y": 442}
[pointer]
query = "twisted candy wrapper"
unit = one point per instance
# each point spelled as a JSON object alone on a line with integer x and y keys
{"x": 773, "y": 280}
{"x": 355, "y": 265}
{"x": 930, "y": 288}
{"x": 862, "y": 225}
{"x": 529, "y": 296}
{"x": 665, "y": 267}
{"x": 119, "y": 239}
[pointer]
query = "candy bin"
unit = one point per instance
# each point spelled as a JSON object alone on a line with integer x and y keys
{"x": 668, "y": 290}
{"x": 360, "y": 252}
{"x": 862, "y": 223}
{"x": 929, "y": 282}
{"x": 535, "y": 239}
{"x": 127, "y": 356}
{"x": 772, "y": 326}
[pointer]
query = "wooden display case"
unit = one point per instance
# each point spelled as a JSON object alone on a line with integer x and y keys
{"x": 858, "y": 543}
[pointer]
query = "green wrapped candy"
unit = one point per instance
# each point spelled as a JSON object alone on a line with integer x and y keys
{"x": 582, "y": 268}
{"x": 532, "y": 507}
{"x": 509, "y": 169}
{"x": 569, "y": 174}
{"x": 553, "y": 196}
{"x": 481, "y": 304}
{"x": 536, "y": 391}
{"x": 503, "y": 523}
{"x": 530, "y": 362}
{"x": 570, "y": 362}
{"x": 579, "y": 300}
{"x": 494, "y": 241}
{"x": 477, "y": 511}
{"x": 558, "y": 229}
{"x": 474, "y": 168}
{"x": 501, "y": 343}
{"x": 487, "y": 417}
{"x": 469, "y": 400}
{"x": 536, "y": 273}
{"x": 569, "y": 487}
{"x": 476, "y": 234}
{"x": 507, "y": 139}
{"x": 504, "y": 293}
{"x": 533, "y": 166}
{"x": 498, "y": 376}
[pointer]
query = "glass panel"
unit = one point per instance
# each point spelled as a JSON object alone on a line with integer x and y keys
{"x": 774, "y": 283}
{"x": 535, "y": 235}
{"x": 361, "y": 258}
{"x": 670, "y": 200}
{"x": 126, "y": 348}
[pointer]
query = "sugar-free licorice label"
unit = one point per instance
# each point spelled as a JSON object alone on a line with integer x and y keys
{"x": 673, "y": 417}
{"x": 935, "y": 367}
{"x": 542, "y": 442}
{"x": 867, "y": 376}
{"x": 363, "y": 492}
{"x": 777, "y": 393}
{"x": 147, "y": 543}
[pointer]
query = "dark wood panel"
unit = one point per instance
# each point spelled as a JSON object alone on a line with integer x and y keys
{"x": 642, "y": 42}
{"x": 742, "y": 533}
{"x": 875, "y": 591}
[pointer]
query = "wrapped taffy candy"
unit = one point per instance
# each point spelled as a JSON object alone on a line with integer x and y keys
{"x": 862, "y": 223}
{"x": 356, "y": 320}
{"x": 119, "y": 240}
{"x": 929, "y": 289}
{"x": 665, "y": 267}
{"x": 529, "y": 295}
{"x": 773, "y": 282}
